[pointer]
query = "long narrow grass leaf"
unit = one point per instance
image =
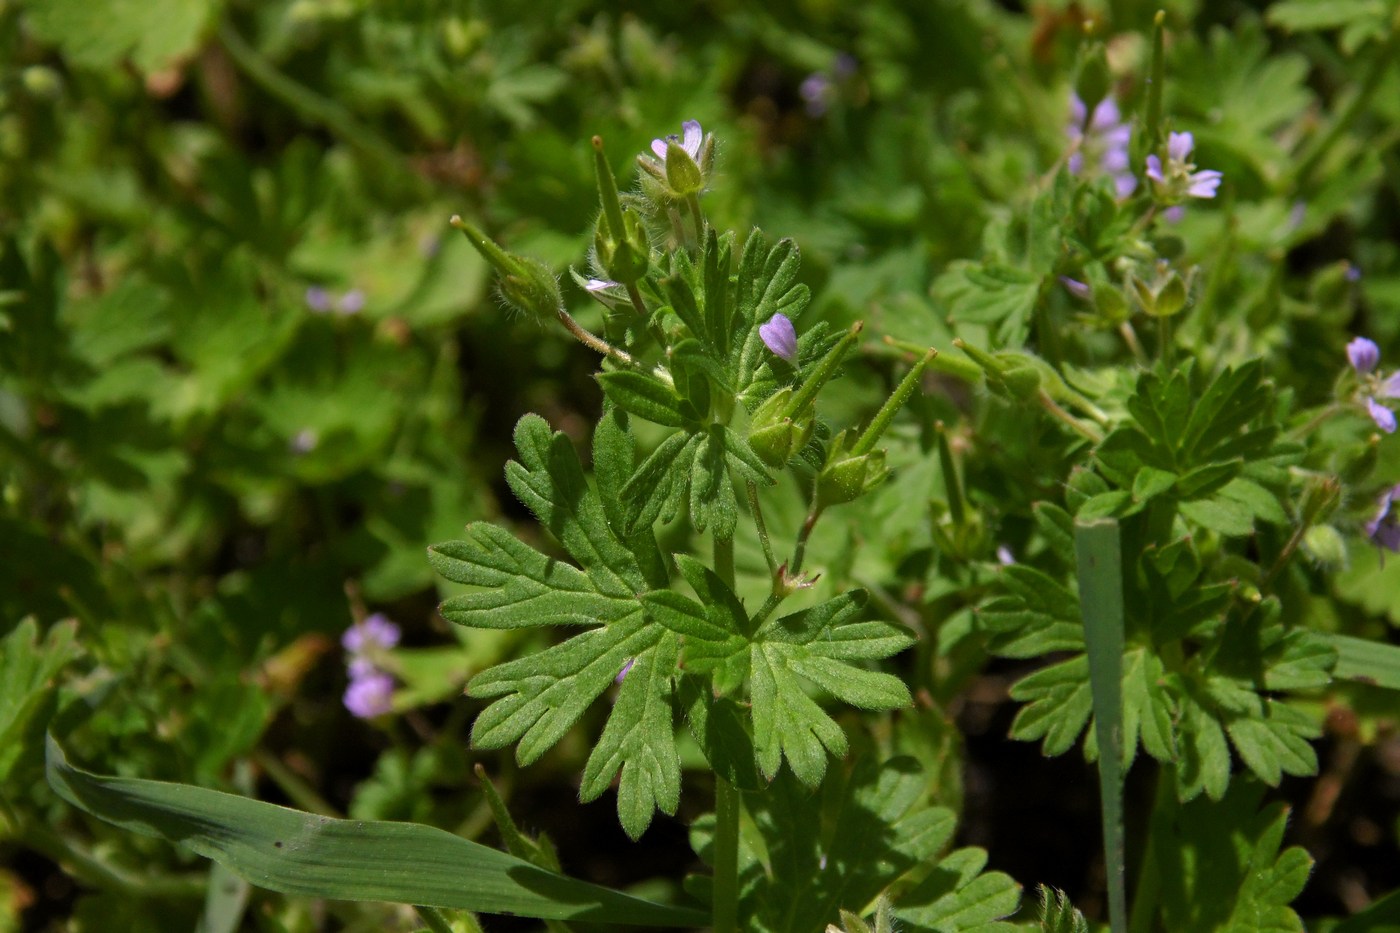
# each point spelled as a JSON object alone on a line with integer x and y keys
{"x": 1100, "y": 567}
{"x": 316, "y": 856}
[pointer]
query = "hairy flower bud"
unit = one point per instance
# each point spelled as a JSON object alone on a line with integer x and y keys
{"x": 525, "y": 284}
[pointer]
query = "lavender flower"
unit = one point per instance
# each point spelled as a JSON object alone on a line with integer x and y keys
{"x": 1365, "y": 356}
{"x": 816, "y": 91}
{"x": 375, "y": 633}
{"x": 1103, "y": 139}
{"x": 684, "y": 177}
{"x": 305, "y": 441}
{"x": 371, "y": 690}
{"x": 1384, "y": 529}
{"x": 1178, "y": 178}
{"x": 318, "y": 299}
{"x": 780, "y": 336}
{"x": 370, "y": 695}
{"x": 352, "y": 302}
{"x": 690, "y": 141}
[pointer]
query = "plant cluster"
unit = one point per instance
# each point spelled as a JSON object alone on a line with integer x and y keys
{"x": 1084, "y": 390}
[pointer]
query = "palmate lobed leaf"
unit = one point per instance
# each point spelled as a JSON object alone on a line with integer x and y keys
{"x": 652, "y": 634}
{"x": 316, "y": 856}
{"x": 525, "y": 588}
{"x": 870, "y": 826}
{"x": 1221, "y": 866}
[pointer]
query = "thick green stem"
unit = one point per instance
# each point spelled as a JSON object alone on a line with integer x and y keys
{"x": 725, "y": 909}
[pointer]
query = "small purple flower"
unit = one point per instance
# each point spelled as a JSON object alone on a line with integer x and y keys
{"x": 1363, "y": 354}
{"x": 1076, "y": 288}
{"x": 1004, "y": 556}
{"x": 1178, "y": 178}
{"x": 780, "y": 336}
{"x": 816, "y": 91}
{"x": 1353, "y": 272}
{"x": 1384, "y": 529}
{"x": 1173, "y": 214}
{"x": 369, "y": 696}
{"x": 352, "y": 302}
{"x": 305, "y": 441}
{"x": 318, "y": 299}
{"x": 690, "y": 141}
{"x": 375, "y": 632}
{"x": 1103, "y": 138}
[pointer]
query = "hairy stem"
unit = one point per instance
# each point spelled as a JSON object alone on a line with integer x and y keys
{"x": 757, "y": 509}
{"x": 800, "y": 552}
{"x": 725, "y": 909}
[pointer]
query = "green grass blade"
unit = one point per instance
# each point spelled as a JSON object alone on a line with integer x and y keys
{"x": 1100, "y": 567}
{"x": 316, "y": 856}
{"x": 1366, "y": 661}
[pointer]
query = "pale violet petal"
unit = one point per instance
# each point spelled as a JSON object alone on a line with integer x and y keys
{"x": 1179, "y": 146}
{"x": 1203, "y": 184}
{"x": 1382, "y": 416}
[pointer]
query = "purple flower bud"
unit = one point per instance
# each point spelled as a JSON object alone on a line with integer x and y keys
{"x": 1173, "y": 214}
{"x": 1353, "y": 273}
{"x": 369, "y": 696}
{"x": 1382, "y": 416}
{"x": 1004, "y": 556}
{"x": 376, "y": 631}
{"x": 1363, "y": 354}
{"x": 1076, "y": 288}
{"x": 318, "y": 299}
{"x": 780, "y": 336}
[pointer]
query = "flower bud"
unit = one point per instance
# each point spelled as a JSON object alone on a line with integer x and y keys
{"x": 1014, "y": 375}
{"x": 525, "y": 284}
{"x": 1320, "y": 499}
{"x": 848, "y": 475}
{"x": 1325, "y": 544}
{"x": 774, "y": 434}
